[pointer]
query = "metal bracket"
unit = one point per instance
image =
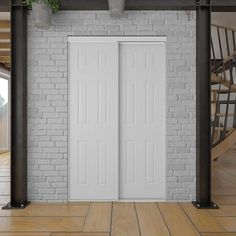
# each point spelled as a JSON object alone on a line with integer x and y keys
{"x": 205, "y": 4}
{"x": 9, "y": 206}
{"x": 211, "y": 206}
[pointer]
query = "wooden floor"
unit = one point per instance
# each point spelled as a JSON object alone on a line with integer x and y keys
{"x": 4, "y": 178}
{"x": 132, "y": 219}
{"x": 224, "y": 179}
{"x": 118, "y": 219}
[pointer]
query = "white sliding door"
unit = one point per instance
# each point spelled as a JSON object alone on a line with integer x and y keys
{"x": 142, "y": 120}
{"x": 93, "y": 133}
{"x": 117, "y": 116}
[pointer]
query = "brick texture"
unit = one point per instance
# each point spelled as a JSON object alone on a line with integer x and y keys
{"x": 48, "y": 96}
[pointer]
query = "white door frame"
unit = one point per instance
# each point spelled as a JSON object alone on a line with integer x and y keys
{"x": 118, "y": 39}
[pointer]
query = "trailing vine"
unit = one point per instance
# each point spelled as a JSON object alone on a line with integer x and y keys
{"x": 53, "y": 4}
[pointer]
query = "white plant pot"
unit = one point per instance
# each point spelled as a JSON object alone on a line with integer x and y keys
{"x": 42, "y": 15}
{"x": 116, "y": 7}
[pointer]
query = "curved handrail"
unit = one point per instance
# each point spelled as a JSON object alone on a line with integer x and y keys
{"x": 224, "y": 62}
{"x": 224, "y": 146}
{"x": 223, "y": 27}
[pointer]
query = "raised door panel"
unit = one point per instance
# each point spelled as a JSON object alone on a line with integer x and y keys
{"x": 142, "y": 120}
{"x": 93, "y": 121}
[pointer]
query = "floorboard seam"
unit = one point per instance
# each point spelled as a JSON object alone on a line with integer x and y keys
{"x": 140, "y": 233}
{"x": 189, "y": 218}
{"x": 163, "y": 219}
{"x": 86, "y": 216}
{"x": 111, "y": 218}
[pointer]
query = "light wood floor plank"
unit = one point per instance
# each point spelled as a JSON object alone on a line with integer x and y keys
{"x": 224, "y": 191}
{"x": 41, "y": 224}
{"x": 219, "y": 234}
{"x": 202, "y": 219}
{"x": 150, "y": 220}
{"x": 49, "y": 210}
{"x": 124, "y": 222}
{"x": 99, "y": 218}
{"x": 225, "y": 210}
{"x": 177, "y": 222}
{"x": 25, "y": 234}
{"x": 226, "y": 200}
{"x": 229, "y": 223}
{"x": 79, "y": 234}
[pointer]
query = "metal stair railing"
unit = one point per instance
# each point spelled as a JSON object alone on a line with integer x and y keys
{"x": 223, "y": 48}
{"x": 225, "y": 100}
{"x": 223, "y": 42}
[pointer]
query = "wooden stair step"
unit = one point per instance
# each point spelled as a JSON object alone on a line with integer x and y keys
{"x": 222, "y": 114}
{"x": 215, "y": 78}
{"x": 231, "y": 102}
{"x": 5, "y": 24}
{"x": 233, "y": 90}
{"x": 225, "y": 145}
{"x": 221, "y": 128}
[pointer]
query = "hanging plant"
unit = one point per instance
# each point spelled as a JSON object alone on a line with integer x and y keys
{"x": 42, "y": 11}
{"x": 116, "y": 7}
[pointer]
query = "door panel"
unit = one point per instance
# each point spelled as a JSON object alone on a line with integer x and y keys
{"x": 93, "y": 121}
{"x": 142, "y": 120}
{"x": 117, "y": 120}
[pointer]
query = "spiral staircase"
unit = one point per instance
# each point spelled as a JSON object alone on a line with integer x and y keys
{"x": 223, "y": 90}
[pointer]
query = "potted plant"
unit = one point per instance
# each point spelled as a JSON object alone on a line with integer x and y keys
{"x": 116, "y": 7}
{"x": 42, "y": 11}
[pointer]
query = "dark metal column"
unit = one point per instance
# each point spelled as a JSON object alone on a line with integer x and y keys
{"x": 203, "y": 198}
{"x": 18, "y": 106}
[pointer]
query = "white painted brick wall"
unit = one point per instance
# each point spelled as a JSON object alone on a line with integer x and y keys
{"x": 47, "y": 96}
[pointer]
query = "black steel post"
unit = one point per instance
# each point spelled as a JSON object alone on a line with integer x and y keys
{"x": 203, "y": 186}
{"x": 18, "y": 106}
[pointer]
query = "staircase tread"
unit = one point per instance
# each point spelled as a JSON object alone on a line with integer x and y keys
{"x": 215, "y": 78}
{"x": 222, "y": 128}
{"x": 223, "y": 114}
{"x": 218, "y": 79}
{"x": 224, "y": 90}
{"x": 225, "y": 145}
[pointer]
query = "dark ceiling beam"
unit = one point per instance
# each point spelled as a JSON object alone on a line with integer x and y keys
{"x": 130, "y": 4}
{"x": 223, "y": 5}
{"x": 84, "y": 5}
{"x": 160, "y": 4}
{"x": 217, "y": 5}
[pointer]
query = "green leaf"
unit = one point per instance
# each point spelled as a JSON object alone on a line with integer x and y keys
{"x": 53, "y": 4}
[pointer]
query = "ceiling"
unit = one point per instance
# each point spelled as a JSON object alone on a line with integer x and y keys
{"x": 227, "y": 19}
{"x": 5, "y": 47}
